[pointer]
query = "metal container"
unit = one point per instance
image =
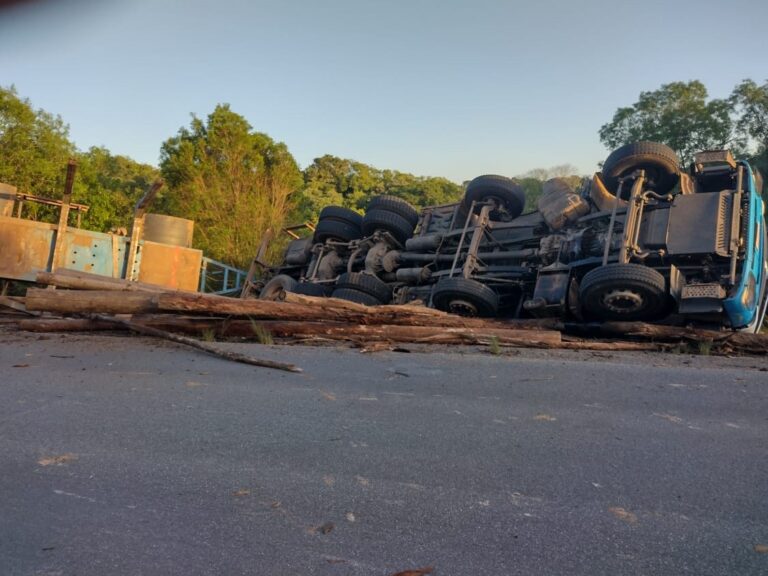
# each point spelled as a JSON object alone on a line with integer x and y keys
{"x": 168, "y": 230}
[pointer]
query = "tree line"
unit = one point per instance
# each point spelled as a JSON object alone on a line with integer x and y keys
{"x": 236, "y": 182}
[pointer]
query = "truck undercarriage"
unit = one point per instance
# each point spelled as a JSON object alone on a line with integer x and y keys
{"x": 641, "y": 240}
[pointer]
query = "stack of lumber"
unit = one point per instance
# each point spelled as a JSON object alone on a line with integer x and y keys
{"x": 85, "y": 302}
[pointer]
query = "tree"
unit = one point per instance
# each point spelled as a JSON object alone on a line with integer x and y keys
{"x": 34, "y": 148}
{"x": 110, "y": 185}
{"x": 750, "y": 106}
{"x": 678, "y": 115}
{"x": 342, "y": 182}
{"x": 234, "y": 182}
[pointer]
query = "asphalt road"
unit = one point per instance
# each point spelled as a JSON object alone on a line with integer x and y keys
{"x": 125, "y": 456}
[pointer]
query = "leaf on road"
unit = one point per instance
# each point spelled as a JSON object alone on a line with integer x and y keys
{"x": 670, "y": 417}
{"x": 21, "y": 366}
{"x": 761, "y": 548}
{"x": 57, "y": 460}
{"x": 328, "y": 395}
{"x": 623, "y": 514}
{"x": 241, "y": 493}
{"x": 415, "y": 572}
{"x": 544, "y": 418}
{"x": 326, "y": 528}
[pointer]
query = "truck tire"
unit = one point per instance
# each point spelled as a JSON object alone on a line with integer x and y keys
{"x": 338, "y": 223}
{"x": 400, "y": 228}
{"x": 624, "y": 292}
{"x": 276, "y": 288}
{"x": 508, "y": 195}
{"x": 396, "y": 205}
{"x": 356, "y": 296}
{"x": 660, "y": 162}
{"x": 312, "y": 289}
{"x": 365, "y": 283}
{"x": 465, "y": 297}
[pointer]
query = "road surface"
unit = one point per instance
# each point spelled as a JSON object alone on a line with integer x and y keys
{"x": 123, "y": 455}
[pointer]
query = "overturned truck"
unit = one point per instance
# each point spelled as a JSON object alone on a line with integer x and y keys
{"x": 641, "y": 240}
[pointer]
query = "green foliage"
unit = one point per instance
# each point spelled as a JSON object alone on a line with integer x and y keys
{"x": 34, "y": 148}
{"x": 110, "y": 186}
{"x": 750, "y": 105}
{"x": 678, "y": 115}
{"x": 234, "y": 182}
{"x": 331, "y": 180}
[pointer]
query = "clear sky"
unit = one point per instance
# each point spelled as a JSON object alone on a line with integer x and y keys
{"x": 451, "y": 88}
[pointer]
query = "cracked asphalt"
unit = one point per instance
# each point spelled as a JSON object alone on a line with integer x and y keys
{"x": 123, "y": 455}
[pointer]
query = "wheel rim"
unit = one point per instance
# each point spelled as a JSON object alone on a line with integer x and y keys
{"x": 623, "y": 301}
{"x": 462, "y": 308}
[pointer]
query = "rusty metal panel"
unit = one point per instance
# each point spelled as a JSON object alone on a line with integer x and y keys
{"x": 172, "y": 266}
{"x": 93, "y": 252}
{"x": 25, "y": 247}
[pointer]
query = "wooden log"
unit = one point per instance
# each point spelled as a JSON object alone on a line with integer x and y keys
{"x": 326, "y": 309}
{"x": 65, "y": 325}
{"x": 658, "y": 332}
{"x": 233, "y": 356}
{"x": 76, "y": 280}
{"x": 16, "y": 304}
{"x": 328, "y": 330}
{"x": 429, "y": 316}
{"x": 90, "y": 301}
{"x": 616, "y": 346}
{"x": 399, "y": 333}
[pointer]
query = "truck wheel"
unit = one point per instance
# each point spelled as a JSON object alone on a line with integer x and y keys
{"x": 624, "y": 292}
{"x": 465, "y": 297}
{"x": 276, "y": 288}
{"x": 338, "y": 223}
{"x": 356, "y": 296}
{"x": 508, "y": 195}
{"x": 400, "y": 228}
{"x": 365, "y": 283}
{"x": 396, "y": 205}
{"x": 660, "y": 162}
{"x": 312, "y": 289}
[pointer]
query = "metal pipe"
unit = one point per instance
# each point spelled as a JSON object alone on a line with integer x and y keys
{"x": 736, "y": 223}
{"x": 633, "y": 211}
{"x": 608, "y": 238}
{"x": 463, "y": 235}
{"x": 417, "y": 257}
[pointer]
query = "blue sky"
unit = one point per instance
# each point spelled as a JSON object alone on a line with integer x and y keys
{"x": 434, "y": 87}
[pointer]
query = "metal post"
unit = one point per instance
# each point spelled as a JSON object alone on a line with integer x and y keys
{"x": 131, "y": 271}
{"x": 61, "y": 229}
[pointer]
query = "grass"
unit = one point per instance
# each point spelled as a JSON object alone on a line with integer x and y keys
{"x": 261, "y": 334}
{"x": 208, "y": 335}
{"x": 704, "y": 347}
{"x": 493, "y": 346}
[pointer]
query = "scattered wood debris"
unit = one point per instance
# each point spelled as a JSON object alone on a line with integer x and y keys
{"x": 87, "y": 302}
